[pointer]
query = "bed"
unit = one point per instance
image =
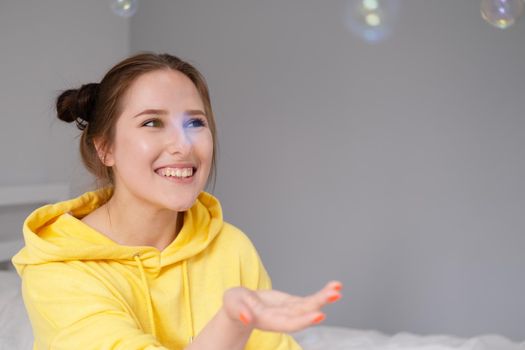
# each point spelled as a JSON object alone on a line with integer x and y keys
{"x": 15, "y": 329}
{"x": 16, "y": 334}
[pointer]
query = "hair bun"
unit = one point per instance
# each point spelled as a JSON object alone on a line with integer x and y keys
{"x": 77, "y": 105}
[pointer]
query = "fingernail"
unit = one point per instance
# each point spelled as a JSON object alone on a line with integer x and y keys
{"x": 333, "y": 298}
{"x": 244, "y": 319}
{"x": 338, "y": 286}
{"x": 319, "y": 319}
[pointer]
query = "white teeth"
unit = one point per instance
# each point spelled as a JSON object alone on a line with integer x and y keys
{"x": 176, "y": 172}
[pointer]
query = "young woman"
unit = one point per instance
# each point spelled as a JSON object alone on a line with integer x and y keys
{"x": 147, "y": 262}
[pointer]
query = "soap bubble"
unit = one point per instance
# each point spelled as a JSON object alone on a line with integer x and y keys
{"x": 371, "y": 20}
{"x": 124, "y": 8}
{"x": 501, "y": 13}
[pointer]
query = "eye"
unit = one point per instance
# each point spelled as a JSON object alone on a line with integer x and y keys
{"x": 152, "y": 123}
{"x": 195, "y": 123}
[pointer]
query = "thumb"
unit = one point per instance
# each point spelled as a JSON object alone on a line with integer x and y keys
{"x": 235, "y": 306}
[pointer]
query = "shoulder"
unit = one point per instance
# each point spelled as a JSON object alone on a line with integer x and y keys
{"x": 233, "y": 233}
{"x": 69, "y": 287}
{"x": 59, "y": 288}
{"x": 234, "y": 238}
{"x": 64, "y": 279}
{"x": 235, "y": 243}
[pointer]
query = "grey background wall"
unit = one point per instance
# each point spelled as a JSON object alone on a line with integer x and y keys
{"x": 46, "y": 47}
{"x": 396, "y": 168}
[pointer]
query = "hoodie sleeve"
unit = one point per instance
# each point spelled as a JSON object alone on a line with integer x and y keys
{"x": 70, "y": 309}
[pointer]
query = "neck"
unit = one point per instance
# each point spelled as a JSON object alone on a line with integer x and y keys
{"x": 135, "y": 223}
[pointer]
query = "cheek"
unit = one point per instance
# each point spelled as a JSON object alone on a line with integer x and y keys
{"x": 204, "y": 147}
{"x": 141, "y": 146}
{"x": 131, "y": 150}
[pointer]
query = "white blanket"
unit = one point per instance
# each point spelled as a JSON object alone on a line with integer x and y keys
{"x": 339, "y": 338}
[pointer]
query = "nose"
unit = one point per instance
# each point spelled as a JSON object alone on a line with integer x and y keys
{"x": 177, "y": 141}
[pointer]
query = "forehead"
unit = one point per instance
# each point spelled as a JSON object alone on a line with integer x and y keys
{"x": 162, "y": 89}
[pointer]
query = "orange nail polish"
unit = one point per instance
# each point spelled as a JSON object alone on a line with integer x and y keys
{"x": 338, "y": 287}
{"x": 319, "y": 319}
{"x": 333, "y": 298}
{"x": 244, "y": 319}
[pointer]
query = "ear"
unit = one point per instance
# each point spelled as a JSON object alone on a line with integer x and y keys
{"x": 104, "y": 153}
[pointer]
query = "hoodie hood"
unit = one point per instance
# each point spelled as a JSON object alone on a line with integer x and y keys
{"x": 54, "y": 233}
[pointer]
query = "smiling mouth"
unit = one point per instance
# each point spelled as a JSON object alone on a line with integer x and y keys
{"x": 179, "y": 173}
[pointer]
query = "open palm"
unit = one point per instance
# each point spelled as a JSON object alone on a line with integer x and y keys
{"x": 272, "y": 310}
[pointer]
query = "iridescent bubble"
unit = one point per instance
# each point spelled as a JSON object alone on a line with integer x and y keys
{"x": 501, "y": 13}
{"x": 371, "y": 20}
{"x": 370, "y": 4}
{"x": 124, "y": 8}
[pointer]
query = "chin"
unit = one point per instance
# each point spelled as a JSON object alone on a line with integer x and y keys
{"x": 180, "y": 204}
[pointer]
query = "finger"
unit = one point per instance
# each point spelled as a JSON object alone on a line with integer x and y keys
{"x": 334, "y": 285}
{"x": 235, "y": 304}
{"x": 321, "y": 298}
{"x": 330, "y": 292}
{"x": 335, "y": 288}
{"x": 245, "y": 316}
{"x": 303, "y": 305}
{"x": 279, "y": 321}
{"x": 275, "y": 297}
{"x": 296, "y": 305}
{"x": 314, "y": 303}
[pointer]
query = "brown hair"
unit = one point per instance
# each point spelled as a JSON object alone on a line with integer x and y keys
{"x": 95, "y": 107}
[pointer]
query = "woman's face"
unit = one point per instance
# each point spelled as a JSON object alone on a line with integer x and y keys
{"x": 163, "y": 147}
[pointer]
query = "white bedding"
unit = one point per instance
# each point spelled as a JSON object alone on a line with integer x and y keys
{"x": 339, "y": 338}
{"x": 15, "y": 329}
{"x": 15, "y": 332}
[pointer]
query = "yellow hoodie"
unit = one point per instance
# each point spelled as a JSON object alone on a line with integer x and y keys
{"x": 84, "y": 291}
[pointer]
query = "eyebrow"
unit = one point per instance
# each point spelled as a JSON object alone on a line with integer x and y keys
{"x": 195, "y": 112}
{"x": 164, "y": 112}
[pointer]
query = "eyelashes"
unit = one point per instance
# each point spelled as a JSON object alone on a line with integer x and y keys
{"x": 152, "y": 123}
{"x": 195, "y": 123}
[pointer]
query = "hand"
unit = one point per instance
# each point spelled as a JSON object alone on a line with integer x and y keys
{"x": 275, "y": 311}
